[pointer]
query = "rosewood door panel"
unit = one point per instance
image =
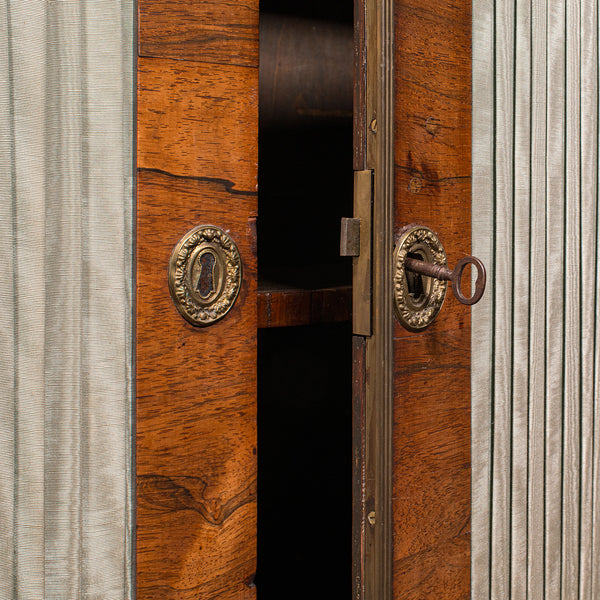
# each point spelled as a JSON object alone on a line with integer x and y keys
{"x": 197, "y": 119}
{"x": 412, "y": 401}
{"x": 431, "y": 489}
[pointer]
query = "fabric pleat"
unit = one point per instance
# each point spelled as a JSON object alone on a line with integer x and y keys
{"x": 536, "y": 448}
{"x": 66, "y": 390}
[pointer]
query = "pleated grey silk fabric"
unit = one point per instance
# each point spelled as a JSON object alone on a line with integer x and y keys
{"x": 536, "y": 346}
{"x": 65, "y": 299}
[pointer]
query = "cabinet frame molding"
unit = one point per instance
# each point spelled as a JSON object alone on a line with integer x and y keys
{"x": 373, "y": 355}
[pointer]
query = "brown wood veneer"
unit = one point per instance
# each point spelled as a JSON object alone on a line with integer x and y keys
{"x": 284, "y": 306}
{"x": 431, "y": 484}
{"x": 196, "y": 387}
{"x": 213, "y": 31}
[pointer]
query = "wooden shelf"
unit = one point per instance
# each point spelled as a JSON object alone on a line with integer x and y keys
{"x": 287, "y": 306}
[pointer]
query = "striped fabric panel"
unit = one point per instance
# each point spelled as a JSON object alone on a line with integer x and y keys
{"x": 536, "y": 442}
{"x": 66, "y": 204}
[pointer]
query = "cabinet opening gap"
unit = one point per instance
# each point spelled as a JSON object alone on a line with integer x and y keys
{"x": 305, "y": 336}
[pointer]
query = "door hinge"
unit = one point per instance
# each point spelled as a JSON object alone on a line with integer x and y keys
{"x": 355, "y": 241}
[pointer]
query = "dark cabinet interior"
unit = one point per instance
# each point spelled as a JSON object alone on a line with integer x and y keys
{"x": 304, "y": 343}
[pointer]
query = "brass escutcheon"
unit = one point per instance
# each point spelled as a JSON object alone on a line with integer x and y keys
{"x": 205, "y": 275}
{"x": 418, "y": 298}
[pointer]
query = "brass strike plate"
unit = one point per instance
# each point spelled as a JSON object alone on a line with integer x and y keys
{"x": 205, "y": 275}
{"x": 362, "y": 264}
{"x": 418, "y": 298}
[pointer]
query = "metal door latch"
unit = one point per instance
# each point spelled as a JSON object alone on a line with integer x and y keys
{"x": 355, "y": 241}
{"x": 421, "y": 274}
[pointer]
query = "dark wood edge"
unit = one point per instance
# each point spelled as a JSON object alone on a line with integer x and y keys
{"x": 360, "y": 84}
{"x": 379, "y": 347}
{"x": 359, "y": 508}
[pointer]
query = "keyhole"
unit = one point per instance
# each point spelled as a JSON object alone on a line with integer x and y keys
{"x": 414, "y": 281}
{"x": 206, "y": 285}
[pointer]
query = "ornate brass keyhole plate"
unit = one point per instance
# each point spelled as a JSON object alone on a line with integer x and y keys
{"x": 421, "y": 278}
{"x": 205, "y": 275}
{"x": 418, "y": 298}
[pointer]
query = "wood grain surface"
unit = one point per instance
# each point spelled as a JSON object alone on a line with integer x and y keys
{"x": 360, "y": 509}
{"x": 196, "y": 387}
{"x": 212, "y": 31}
{"x": 431, "y": 430}
{"x": 359, "y": 96}
{"x": 280, "y": 306}
{"x": 198, "y": 120}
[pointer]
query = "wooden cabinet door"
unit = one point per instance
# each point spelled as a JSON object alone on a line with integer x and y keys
{"x": 197, "y": 131}
{"x": 197, "y": 116}
{"x": 431, "y": 473}
{"x": 412, "y": 476}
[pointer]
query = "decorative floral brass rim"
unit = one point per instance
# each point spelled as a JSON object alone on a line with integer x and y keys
{"x": 205, "y": 275}
{"x": 417, "y": 298}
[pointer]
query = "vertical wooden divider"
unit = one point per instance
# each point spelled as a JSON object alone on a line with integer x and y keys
{"x": 197, "y": 130}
